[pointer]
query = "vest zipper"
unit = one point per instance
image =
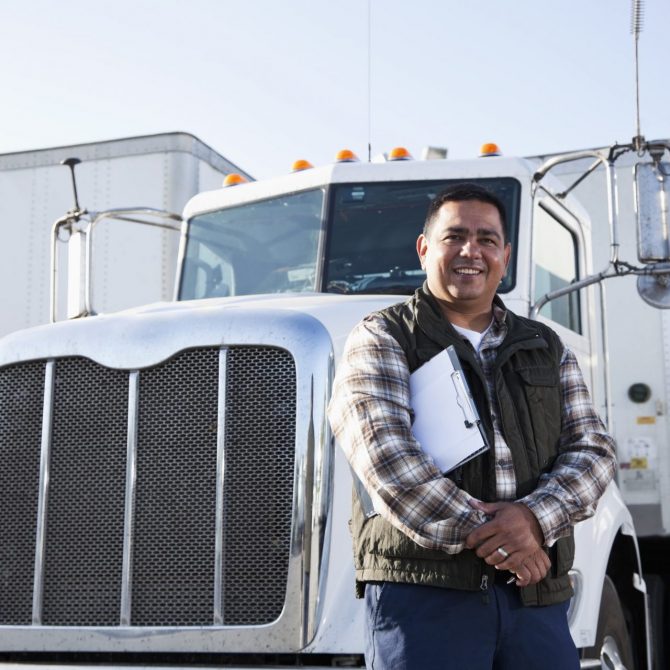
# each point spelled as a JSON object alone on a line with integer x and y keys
{"x": 484, "y": 587}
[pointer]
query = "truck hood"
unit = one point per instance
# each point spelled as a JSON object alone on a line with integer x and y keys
{"x": 146, "y": 336}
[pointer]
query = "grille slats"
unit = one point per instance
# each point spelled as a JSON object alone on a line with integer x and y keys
{"x": 84, "y": 528}
{"x": 175, "y": 504}
{"x": 174, "y": 530}
{"x": 260, "y": 429}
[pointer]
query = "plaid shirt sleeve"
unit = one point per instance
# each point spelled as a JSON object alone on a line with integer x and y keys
{"x": 370, "y": 417}
{"x": 586, "y": 463}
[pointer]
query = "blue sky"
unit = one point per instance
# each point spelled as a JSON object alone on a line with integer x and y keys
{"x": 265, "y": 82}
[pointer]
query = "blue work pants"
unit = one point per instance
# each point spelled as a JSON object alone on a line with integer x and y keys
{"x": 412, "y": 627}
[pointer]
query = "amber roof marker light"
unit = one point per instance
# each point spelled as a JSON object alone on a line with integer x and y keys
{"x": 399, "y": 154}
{"x": 233, "y": 179}
{"x": 489, "y": 149}
{"x": 300, "y": 165}
{"x": 346, "y": 156}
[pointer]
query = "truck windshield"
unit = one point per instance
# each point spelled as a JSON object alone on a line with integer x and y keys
{"x": 268, "y": 246}
{"x": 373, "y": 231}
{"x": 278, "y": 245}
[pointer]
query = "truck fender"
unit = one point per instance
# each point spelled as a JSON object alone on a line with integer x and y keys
{"x": 597, "y": 540}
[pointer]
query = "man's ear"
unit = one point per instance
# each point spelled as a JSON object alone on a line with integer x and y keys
{"x": 508, "y": 255}
{"x": 421, "y": 248}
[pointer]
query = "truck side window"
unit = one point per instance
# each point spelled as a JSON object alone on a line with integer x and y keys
{"x": 556, "y": 266}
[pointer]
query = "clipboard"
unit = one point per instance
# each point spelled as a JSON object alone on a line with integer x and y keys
{"x": 446, "y": 421}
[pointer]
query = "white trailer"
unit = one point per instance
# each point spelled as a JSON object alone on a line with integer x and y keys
{"x": 181, "y": 500}
{"x": 132, "y": 266}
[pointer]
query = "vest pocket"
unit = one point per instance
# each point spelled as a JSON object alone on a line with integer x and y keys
{"x": 542, "y": 392}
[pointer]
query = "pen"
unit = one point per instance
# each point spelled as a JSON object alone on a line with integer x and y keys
{"x": 512, "y": 579}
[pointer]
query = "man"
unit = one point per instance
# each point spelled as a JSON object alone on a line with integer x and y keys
{"x": 434, "y": 558}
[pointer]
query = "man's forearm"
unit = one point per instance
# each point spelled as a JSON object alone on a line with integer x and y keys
{"x": 370, "y": 417}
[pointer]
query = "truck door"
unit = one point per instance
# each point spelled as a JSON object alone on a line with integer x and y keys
{"x": 559, "y": 258}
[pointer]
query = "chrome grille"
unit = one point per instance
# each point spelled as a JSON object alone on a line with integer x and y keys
{"x": 21, "y": 400}
{"x": 173, "y": 532}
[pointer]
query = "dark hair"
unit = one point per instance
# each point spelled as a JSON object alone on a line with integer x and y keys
{"x": 461, "y": 192}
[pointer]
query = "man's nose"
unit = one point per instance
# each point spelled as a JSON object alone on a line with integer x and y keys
{"x": 471, "y": 248}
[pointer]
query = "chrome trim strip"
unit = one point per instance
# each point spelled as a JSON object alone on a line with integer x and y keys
{"x": 307, "y": 522}
{"x": 129, "y": 514}
{"x": 321, "y": 499}
{"x": 45, "y": 456}
{"x": 313, "y": 358}
{"x": 220, "y": 474}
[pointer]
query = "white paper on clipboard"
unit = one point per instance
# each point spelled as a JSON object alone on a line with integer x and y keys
{"x": 446, "y": 422}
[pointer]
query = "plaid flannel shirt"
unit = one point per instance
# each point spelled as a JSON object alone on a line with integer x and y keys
{"x": 370, "y": 417}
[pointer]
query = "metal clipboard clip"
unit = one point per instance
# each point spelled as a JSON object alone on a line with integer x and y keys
{"x": 464, "y": 397}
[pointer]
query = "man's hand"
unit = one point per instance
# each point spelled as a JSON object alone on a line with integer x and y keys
{"x": 515, "y": 530}
{"x": 533, "y": 569}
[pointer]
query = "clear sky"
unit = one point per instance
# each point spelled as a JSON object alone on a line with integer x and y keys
{"x": 267, "y": 81}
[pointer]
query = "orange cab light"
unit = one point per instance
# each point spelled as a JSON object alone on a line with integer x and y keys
{"x": 346, "y": 156}
{"x": 399, "y": 154}
{"x": 233, "y": 179}
{"x": 301, "y": 164}
{"x": 489, "y": 149}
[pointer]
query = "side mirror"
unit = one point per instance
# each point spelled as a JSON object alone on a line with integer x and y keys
{"x": 652, "y": 210}
{"x": 652, "y": 205}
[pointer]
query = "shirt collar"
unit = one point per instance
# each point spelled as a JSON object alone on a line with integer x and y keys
{"x": 498, "y": 329}
{"x": 499, "y": 316}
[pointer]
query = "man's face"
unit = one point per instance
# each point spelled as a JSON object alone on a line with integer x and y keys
{"x": 464, "y": 255}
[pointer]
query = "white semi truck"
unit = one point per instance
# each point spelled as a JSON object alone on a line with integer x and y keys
{"x": 172, "y": 495}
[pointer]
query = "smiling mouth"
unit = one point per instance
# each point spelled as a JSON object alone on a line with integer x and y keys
{"x": 467, "y": 271}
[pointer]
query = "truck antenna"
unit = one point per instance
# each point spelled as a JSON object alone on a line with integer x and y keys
{"x": 369, "y": 81}
{"x": 71, "y": 162}
{"x": 637, "y": 19}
